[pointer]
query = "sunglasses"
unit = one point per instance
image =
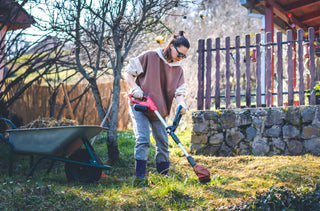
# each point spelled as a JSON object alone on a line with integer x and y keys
{"x": 180, "y": 55}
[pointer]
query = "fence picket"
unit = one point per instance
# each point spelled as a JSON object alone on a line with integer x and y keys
{"x": 238, "y": 93}
{"x": 208, "y": 75}
{"x": 290, "y": 68}
{"x": 268, "y": 69}
{"x": 262, "y": 53}
{"x": 258, "y": 70}
{"x": 200, "y": 74}
{"x": 312, "y": 67}
{"x": 248, "y": 72}
{"x": 217, "y": 93}
{"x": 300, "y": 60}
{"x": 279, "y": 69}
{"x": 227, "y": 72}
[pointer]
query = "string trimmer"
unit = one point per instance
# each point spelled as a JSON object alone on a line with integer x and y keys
{"x": 147, "y": 103}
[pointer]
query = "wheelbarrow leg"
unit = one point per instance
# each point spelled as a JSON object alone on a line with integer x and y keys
{"x": 50, "y": 167}
{"x": 92, "y": 153}
{"x": 30, "y": 173}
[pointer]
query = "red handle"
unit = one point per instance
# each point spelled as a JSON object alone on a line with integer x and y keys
{"x": 148, "y": 102}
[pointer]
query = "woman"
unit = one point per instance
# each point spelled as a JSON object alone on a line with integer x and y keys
{"x": 158, "y": 74}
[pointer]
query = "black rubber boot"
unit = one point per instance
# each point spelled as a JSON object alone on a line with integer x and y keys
{"x": 163, "y": 167}
{"x": 140, "y": 168}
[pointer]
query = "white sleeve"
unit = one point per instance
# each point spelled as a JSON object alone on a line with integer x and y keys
{"x": 181, "y": 90}
{"x": 134, "y": 67}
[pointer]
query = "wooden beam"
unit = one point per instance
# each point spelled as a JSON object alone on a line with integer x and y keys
{"x": 298, "y": 5}
{"x": 310, "y": 17}
{"x": 282, "y": 14}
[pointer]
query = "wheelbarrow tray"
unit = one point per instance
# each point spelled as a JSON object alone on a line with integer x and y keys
{"x": 57, "y": 141}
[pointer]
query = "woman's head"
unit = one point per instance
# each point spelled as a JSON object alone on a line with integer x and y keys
{"x": 177, "y": 48}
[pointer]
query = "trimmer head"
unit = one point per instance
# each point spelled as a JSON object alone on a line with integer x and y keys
{"x": 202, "y": 173}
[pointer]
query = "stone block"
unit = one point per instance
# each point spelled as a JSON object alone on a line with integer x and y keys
{"x": 214, "y": 125}
{"x": 243, "y": 149}
{"x": 310, "y": 132}
{"x": 197, "y": 117}
{"x": 295, "y": 147}
{"x": 243, "y": 119}
{"x": 251, "y": 132}
{"x": 279, "y": 143}
{"x": 274, "y": 117}
{"x": 258, "y": 123}
{"x": 259, "y": 112}
{"x": 212, "y": 150}
{"x": 293, "y": 115}
{"x": 233, "y": 137}
{"x": 199, "y": 139}
{"x": 228, "y": 120}
{"x": 200, "y": 128}
{"x": 260, "y": 148}
{"x": 312, "y": 146}
{"x": 273, "y": 132}
{"x": 290, "y": 131}
{"x": 225, "y": 150}
{"x": 211, "y": 115}
{"x": 308, "y": 114}
{"x": 216, "y": 139}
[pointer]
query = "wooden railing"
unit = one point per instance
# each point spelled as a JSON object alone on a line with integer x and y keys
{"x": 259, "y": 59}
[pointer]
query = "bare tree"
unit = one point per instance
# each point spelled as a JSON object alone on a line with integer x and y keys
{"x": 22, "y": 63}
{"x": 102, "y": 33}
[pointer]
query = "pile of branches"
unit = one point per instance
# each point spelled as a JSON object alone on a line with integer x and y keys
{"x": 50, "y": 122}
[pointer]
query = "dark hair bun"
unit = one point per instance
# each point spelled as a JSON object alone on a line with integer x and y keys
{"x": 181, "y": 33}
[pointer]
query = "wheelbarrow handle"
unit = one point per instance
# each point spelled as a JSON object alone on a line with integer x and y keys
{"x": 7, "y": 120}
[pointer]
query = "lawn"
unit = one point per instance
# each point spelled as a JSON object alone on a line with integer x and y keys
{"x": 240, "y": 179}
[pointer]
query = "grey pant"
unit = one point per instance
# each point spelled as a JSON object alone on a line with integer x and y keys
{"x": 141, "y": 128}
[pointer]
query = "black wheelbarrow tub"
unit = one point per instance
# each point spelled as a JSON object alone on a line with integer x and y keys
{"x": 60, "y": 141}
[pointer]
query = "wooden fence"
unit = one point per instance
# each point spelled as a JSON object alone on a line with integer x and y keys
{"x": 256, "y": 58}
{"x": 34, "y": 104}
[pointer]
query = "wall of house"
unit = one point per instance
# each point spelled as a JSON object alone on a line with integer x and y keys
{"x": 257, "y": 131}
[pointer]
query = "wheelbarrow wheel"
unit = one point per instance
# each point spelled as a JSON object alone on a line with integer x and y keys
{"x": 79, "y": 172}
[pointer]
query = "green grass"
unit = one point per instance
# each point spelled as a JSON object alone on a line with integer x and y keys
{"x": 234, "y": 179}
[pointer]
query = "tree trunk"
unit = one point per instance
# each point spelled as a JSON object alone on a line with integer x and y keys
{"x": 97, "y": 97}
{"x": 113, "y": 151}
{"x": 53, "y": 102}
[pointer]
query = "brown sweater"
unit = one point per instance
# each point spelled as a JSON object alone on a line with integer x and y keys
{"x": 159, "y": 80}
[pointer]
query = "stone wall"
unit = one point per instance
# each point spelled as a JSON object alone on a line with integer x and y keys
{"x": 257, "y": 131}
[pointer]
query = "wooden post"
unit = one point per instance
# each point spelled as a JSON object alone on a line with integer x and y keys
{"x": 269, "y": 28}
{"x": 227, "y": 72}
{"x": 200, "y": 74}
{"x": 268, "y": 72}
{"x": 312, "y": 67}
{"x": 290, "y": 68}
{"x": 238, "y": 93}
{"x": 208, "y": 75}
{"x": 279, "y": 69}
{"x": 248, "y": 72}
{"x": 217, "y": 92}
{"x": 258, "y": 70}
{"x": 300, "y": 60}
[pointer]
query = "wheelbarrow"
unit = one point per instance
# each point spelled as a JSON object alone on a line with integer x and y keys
{"x": 61, "y": 143}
